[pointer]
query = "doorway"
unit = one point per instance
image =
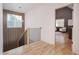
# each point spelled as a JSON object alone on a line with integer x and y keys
{"x": 13, "y": 28}
{"x": 64, "y": 26}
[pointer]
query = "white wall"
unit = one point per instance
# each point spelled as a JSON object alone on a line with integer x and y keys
{"x": 44, "y": 17}
{"x": 1, "y": 29}
{"x": 75, "y": 45}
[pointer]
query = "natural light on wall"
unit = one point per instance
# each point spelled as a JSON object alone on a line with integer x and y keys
{"x": 14, "y": 21}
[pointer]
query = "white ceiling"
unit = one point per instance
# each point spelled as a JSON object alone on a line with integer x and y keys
{"x": 27, "y": 6}
{"x": 24, "y": 6}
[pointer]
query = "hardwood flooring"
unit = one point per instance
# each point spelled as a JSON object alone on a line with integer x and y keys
{"x": 41, "y": 48}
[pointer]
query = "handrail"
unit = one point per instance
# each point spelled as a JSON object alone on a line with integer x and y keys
{"x": 22, "y": 34}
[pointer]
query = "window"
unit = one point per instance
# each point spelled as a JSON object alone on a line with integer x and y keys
{"x": 70, "y": 22}
{"x": 14, "y": 21}
{"x": 59, "y": 22}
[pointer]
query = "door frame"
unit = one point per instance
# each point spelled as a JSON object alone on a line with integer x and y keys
{"x": 72, "y": 23}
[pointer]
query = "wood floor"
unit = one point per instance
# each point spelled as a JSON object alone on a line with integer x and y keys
{"x": 41, "y": 48}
